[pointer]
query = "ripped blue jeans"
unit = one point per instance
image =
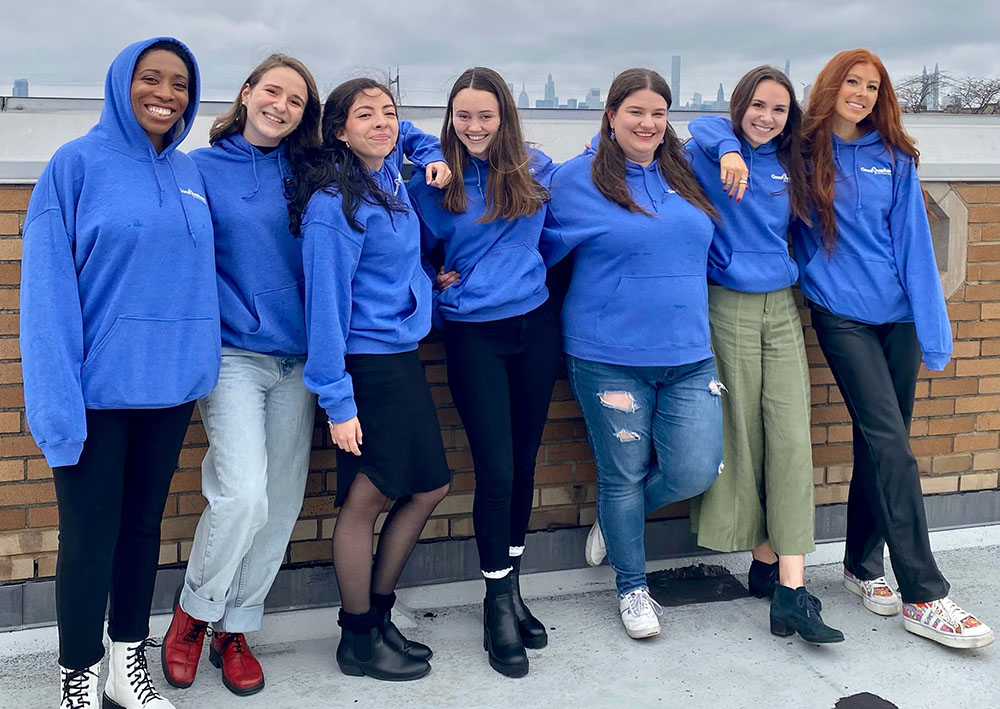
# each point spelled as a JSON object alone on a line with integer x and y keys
{"x": 656, "y": 434}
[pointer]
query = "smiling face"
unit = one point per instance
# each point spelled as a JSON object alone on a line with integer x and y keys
{"x": 372, "y": 127}
{"x": 766, "y": 114}
{"x": 856, "y": 99}
{"x": 640, "y": 123}
{"x": 475, "y": 117}
{"x": 159, "y": 93}
{"x": 274, "y": 106}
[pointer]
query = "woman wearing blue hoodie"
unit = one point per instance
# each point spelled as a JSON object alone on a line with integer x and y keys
{"x": 871, "y": 281}
{"x": 764, "y": 499}
{"x": 368, "y": 304}
{"x": 260, "y": 417}
{"x": 119, "y": 337}
{"x": 635, "y": 324}
{"x": 501, "y": 333}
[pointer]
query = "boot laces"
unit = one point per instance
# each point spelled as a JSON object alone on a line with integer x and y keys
{"x": 137, "y": 672}
{"x": 195, "y": 630}
{"x": 809, "y": 603}
{"x": 74, "y": 688}
{"x": 237, "y": 640}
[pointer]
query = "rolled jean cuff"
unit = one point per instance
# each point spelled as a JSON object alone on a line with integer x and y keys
{"x": 199, "y": 608}
{"x": 244, "y": 619}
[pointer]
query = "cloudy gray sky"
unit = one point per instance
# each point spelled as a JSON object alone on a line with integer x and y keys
{"x": 63, "y": 47}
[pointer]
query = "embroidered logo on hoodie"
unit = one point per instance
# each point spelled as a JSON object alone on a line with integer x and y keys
{"x": 190, "y": 192}
{"x": 780, "y": 178}
{"x": 876, "y": 170}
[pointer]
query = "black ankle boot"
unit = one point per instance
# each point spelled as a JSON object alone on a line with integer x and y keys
{"x": 363, "y": 651}
{"x": 501, "y": 637}
{"x": 532, "y": 630}
{"x": 762, "y": 579}
{"x": 382, "y": 607}
{"x": 797, "y": 611}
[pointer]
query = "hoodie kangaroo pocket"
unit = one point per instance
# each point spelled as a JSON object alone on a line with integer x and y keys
{"x": 281, "y": 321}
{"x": 864, "y": 289}
{"x": 656, "y": 311}
{"x": 773, "y": 269}
{"x": 508, "y": 274}
{"x": 152, "y": 363}
{"x": 417, "y": 323}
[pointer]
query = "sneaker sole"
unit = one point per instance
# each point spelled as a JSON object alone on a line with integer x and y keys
{"x": 642, "y": 633}
{"x": 947, "y": 639}
{"x": 883, "y": 609}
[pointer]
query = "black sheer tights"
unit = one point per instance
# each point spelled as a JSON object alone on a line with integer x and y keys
{"x": 357, "y": 576}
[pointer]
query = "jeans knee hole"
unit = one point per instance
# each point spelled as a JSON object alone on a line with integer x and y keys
{"x": 618, "y": 400}
{"x": 624, "y": 436}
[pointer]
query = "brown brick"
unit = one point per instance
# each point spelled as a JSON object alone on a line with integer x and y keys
{"x": 10, "y": 373}
{"x": 14, "y": 198}
{"x": 986, "y": 460}
{"x": 38, "y": 469}
{"x": 989, "y": 385}
{"x": 10, "y": 348}
{"x": 832, "y": 494}
{"x": 559, "y": 452}
{"x": 552, "y": 518}
{"x": 978, "y": 252}
{"x": 983, "y": 213}
{"x": 957, "y": 424}
{"x": 564, "y": 410}
{"x": 933, "y": 445}
{"x": 435, "y": 529}
{"x": 10, "y": 471}
{"x": 978, "y": 330}
{"x": 939, "y": 485}
{"x": 972, "y": 194}
{"x": 27, "y": 494}
{"x": 43, "y": 516}
{"x": 918, "y": 427}
{"x": 462, "y": 527}
{"x": 839, "y": 473}
{"x": 178, "y": 527}
{"x": 10, "y": 249}
{"x": 12, "y": 519}
{"x": 978, "y": 481}
{"x": 9, "y": 298}
{"x": 923, "y": 389}
{"x": 989, "y": 348}
{"x": 431, "y": 350}
{"x": 988, "y": 422}
{"x": 840, "y": 434}
{"x": 311, "y": 551}
{"x": 953, "y": 387}
{"x": 956, "y": 463}
{"x": 934, "y": 407}
{"x": 975, "y": 404}
{"x": 976, "y": 442}
{"x": 553, "y": 474}
{"x": 836, "y": 453}
{"x": 963, "y": 349}
{"x": 963, "y": 311}
{"x": 977, "y": 367}
{"x": 10, "y": 224}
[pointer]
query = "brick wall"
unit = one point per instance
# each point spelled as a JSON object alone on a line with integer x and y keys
{"x": 956, "y": 427}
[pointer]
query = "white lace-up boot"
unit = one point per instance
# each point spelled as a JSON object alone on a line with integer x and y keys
{"x": 129, "y": 685}
{"x": 78, "y": 688}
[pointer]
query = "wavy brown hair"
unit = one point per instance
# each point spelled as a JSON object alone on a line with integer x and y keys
{"x": 788, "y": 141}
{"x": 817, "y": 129}
{"x": 608, "y": 169}
{"x": 300, "y": 141}
{"x": 511, "y": 191}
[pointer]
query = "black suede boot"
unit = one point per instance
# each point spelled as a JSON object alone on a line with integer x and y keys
{"x": 532, "y": 630}
{"x": 797, "y": 611}
{"x": 382, "y": 607}
{"x": 501, "y": 637}
{"x": 762, "y": 579}
{"x": 363, "y": 651}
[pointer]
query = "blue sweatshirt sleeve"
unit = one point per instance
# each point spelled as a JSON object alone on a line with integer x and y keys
{"x": 330, "y": 258}
{"x": 51, "y": 331}
{"x": 421, "y": 149}
{"x": 913, "y": 251}
{"x": 714, "y": 135}
{"x": 552, "y": 246}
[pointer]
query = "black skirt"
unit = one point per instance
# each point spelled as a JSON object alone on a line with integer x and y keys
{"x": 401, "y": 452}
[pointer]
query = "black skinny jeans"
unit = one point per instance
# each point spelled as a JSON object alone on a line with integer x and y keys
{"x": 110, "y": 508}
{"x": 501, "y": 375}
{"x": 876, "y": 370}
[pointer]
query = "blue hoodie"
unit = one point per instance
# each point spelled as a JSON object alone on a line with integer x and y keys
{"x": 259, "y": 262}
{"x": 502, "y": 274}
{"x": 119, "y": 308}
{"x": 749, "y": 252}
{"x": 882, "y": 268}
{"x": 638, "y": 295}
{"x": 366, "y": 293}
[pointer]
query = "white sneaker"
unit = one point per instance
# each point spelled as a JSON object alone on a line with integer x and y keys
{"x": 595, "y": 551}
{"x": 944, "y": 622}
{"x": 876, "y": 595}
{"x": 129, "y": 685}
{"x": 78, "y": 688}
{"x": 639, "y": 614}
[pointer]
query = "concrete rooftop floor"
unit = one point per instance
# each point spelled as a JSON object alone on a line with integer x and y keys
{"x": 717, "y": 654}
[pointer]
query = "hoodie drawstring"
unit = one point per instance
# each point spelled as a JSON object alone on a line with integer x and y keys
{"x": 187, "y": 218}
{"x": 253, "y": 163}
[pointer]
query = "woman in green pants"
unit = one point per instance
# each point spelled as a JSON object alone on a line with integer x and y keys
{"x": 763, "y": 500}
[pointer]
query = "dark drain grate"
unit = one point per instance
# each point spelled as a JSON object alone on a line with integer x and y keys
{"x": 694, "y": 584}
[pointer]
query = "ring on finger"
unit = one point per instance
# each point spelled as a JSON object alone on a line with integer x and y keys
{"x": 743, "y": 182}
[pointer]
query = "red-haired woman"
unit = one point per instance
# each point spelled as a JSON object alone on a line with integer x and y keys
{"x": 868, "y": 272}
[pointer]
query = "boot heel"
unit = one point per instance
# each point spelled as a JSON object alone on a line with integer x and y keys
{"x": 214, "y": 658}
{"x": 351, "y": 670}
{"x": 781, "y": 629}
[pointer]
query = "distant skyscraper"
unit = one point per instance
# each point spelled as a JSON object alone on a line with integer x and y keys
{"x": 935, "y": 102}
{"x": 805, "y": 94}
{"x": 571, "y": 103}
{"x": 697, "y": 100}
{"x": 594, "y": 99}
{"x": 788, "y": 67}
{"x": 720, "y": 95}
{"x": 510, "y": 87}
{"x": 522, "y": 100}
{"x": 550, "y": 92}
{"x": 675, "y": 78}
{"x": 20, "y": 88}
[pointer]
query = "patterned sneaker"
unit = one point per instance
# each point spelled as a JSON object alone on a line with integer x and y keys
{"x": 944, "y": 622}
{"x": 876, "y": 595}
{"x": 595, "y": 551}
{"x": 639, "y": 614}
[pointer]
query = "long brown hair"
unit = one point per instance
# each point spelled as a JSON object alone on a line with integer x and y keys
{"x": 511, "y": 191}
{"x": 300, "y": 141}
{"x": 608, "y": 170}
{"x": 817, "y": 129}
{"x": 788, "y": 141}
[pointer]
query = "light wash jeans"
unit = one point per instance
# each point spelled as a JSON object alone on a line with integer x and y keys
{"x": 656, "y": 434}
{"x": 259, "y": 420}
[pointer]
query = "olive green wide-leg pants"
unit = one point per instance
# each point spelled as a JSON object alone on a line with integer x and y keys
{"x": 765, "y": 491}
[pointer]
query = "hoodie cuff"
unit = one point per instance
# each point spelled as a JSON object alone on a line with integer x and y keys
{"x": 344, "y": 411}
{"x": 59, "y": 455}
{"x": 729, "y": 145}
{"x": 936, "y": 361}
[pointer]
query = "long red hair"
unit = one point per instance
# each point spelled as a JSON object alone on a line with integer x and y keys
{"x": 817, "y": 129}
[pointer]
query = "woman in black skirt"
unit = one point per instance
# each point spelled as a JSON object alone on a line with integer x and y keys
{"x": 367, "y": 306}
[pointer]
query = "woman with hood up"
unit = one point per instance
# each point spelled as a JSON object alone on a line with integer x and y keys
{"x": 119, "y": 337}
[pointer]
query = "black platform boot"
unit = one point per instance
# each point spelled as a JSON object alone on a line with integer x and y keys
{"x": 532, "y": 630}
{"x": 501, "y": 637}
{"x": 363, "y": 651}
{"x": 382, "y": 607}
{"x": 797, "y": 611}
{"x": 762, "y": 579}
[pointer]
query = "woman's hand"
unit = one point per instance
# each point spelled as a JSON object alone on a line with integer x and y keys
{"x": 347, "y": 435}
{"x": 446, "y": 280}
{"x": 733, "y": 171}
{"x": 438, "y": 174}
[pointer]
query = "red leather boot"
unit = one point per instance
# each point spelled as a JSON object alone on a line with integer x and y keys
{"x": 241, "y": 673}
{"x": 182, "y": 646}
